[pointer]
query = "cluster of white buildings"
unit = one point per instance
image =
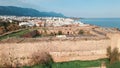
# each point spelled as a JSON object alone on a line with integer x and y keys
{"x": 52, "y": 22}
{"x": 43, "y": 21}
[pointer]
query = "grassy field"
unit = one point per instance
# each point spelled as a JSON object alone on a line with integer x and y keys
{"x": 14, "y": 34}
{"x": 114, "y": 65}
{"x": 72, "y": 64}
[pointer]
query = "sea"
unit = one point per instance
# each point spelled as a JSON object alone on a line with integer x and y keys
{"x": 103, "y": 22}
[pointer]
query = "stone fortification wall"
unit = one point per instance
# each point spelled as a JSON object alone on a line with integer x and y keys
{"x": 115, "y": 40}
{"x": 65, "y": 30}
{"x": 66, "y": 50}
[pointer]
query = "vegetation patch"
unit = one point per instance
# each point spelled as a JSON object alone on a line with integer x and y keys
{"x": 114, "y": 65}
{"x": 14, "y": 34}
{"x": 72, "y": 64}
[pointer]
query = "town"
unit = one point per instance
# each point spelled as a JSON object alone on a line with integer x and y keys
{"x": 59, "y": 33}
{"x": 9, "y": 23}
{"x": 22, "y": 39}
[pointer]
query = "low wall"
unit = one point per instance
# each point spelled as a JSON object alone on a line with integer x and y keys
{"x": 59, "y": 50}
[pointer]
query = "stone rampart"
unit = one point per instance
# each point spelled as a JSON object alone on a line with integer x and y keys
{"x": 60, "y": 51}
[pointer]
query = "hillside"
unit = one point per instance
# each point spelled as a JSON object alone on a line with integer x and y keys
{"x": 18, "y": 11}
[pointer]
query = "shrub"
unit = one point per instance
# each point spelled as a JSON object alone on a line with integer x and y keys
{"x": 41, "y": 58}
{"x": 113, "y": 55}
{"x": 81, "y": 32}
{"x": 60, "y": 33}
{"x": 52, "y": 34}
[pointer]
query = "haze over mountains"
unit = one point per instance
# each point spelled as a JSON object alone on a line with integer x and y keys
{"x": 18, "y": 11}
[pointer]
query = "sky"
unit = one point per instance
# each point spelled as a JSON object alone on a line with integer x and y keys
{"x": 73, "y": 8}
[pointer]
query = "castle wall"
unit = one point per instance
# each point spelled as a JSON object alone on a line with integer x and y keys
{"x": 65, "y": 30}
{"x": 60, "y": 50}
{"x": 115, "y": 40}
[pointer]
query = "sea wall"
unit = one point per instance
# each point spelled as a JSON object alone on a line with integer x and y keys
{"x": 60, "y": 50}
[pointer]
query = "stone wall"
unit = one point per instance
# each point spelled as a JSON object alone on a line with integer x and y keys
{"x": 65, "y": 50}
{"x": 115, "y": 40}
{"x": 65, "y": 30}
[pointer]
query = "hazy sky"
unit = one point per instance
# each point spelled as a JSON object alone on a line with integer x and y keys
{"x": 77, "y": 8}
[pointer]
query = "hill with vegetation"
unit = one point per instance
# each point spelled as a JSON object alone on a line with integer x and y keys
{"x": 18, "y": 11}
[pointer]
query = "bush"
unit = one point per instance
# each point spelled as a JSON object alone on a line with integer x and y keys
{"x": 81, "y": 32}
{"x": 41, "y": 58}
{"x": 60, "y": 33}
{"x": 113, "y": 55}
{"x": 52, "y": 34}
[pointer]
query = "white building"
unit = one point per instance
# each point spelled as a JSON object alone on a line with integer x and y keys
{"x": 27, "y": 24}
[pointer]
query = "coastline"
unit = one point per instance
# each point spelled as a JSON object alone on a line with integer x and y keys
{"x": 103, "y": 22}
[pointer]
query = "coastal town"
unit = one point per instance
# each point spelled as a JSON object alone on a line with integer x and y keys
{"x": 59, "y": 33}
{"x": 24, "y": 22}
{"x": 41, "y": 21}
{"x": 65, "y": 39}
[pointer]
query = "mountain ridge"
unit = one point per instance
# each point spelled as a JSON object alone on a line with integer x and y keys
{"x": 19, "y": 11}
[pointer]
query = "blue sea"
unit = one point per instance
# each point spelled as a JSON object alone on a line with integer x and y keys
{"x": 103, "y": 22}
